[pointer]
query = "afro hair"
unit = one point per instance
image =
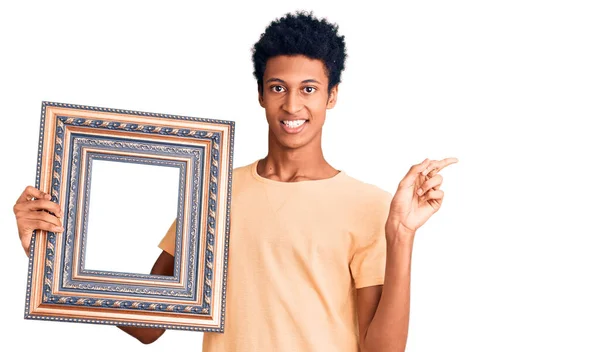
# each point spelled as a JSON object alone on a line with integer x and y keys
{"x": 301, "y": 34}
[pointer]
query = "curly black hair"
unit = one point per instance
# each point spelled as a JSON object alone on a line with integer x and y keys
{"x": 301, "y": 34}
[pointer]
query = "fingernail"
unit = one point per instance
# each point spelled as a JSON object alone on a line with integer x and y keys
{"x": 420, "y": 191}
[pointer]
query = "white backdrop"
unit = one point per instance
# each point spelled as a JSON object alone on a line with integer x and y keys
{"x": 123, "y": 236}
{"x": 511, "y": 88}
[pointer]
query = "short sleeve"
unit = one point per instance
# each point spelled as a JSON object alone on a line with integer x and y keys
{"x": 167, "y": 244}
{"x": 368, "y": 261}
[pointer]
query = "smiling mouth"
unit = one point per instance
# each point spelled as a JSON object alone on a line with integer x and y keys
{"x": 293, "y": 123}
{"x": 293, "y": 126}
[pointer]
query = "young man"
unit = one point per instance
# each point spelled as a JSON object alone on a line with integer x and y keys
{"x": 310, "y": 246}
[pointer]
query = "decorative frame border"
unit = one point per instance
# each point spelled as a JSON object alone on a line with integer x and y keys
{"x": 96, "y": 155}
{"x": 68, "y": 278}
{"x": 194, "y": 299}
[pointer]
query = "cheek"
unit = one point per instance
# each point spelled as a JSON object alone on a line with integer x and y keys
{"x": 270, "y": 109}
{"x": 272, "y": 112}
{"x": 317, "y": 110}
{"x": 272, "y": 115}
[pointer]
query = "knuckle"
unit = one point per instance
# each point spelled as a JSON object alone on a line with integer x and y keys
{"x": 50, "y": 219}
{"x": 53, "y": 220}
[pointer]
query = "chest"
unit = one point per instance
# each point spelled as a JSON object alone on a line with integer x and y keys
{"x": 307, "y": 227}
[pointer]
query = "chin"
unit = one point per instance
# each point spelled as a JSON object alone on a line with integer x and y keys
{"x": 292, "y": 142}
{"x": 293, "y": 145}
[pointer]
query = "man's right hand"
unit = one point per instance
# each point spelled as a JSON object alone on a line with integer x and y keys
{"x": 35, "y": 211}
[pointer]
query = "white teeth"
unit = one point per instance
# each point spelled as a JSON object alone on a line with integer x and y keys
{"x": 294, "y": 123}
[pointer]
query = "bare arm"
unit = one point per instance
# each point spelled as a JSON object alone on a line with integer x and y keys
{"x": 164, "y": 266}
{"x": 383, "y": 311}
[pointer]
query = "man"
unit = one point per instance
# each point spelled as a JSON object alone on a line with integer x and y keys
{"x": 310, "y": 246}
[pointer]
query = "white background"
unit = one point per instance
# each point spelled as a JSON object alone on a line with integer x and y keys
{"x": 511, "y": 88}
{"x": 120, "y": 236}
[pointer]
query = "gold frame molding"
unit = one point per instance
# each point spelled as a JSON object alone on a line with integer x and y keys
{"x": 58, "y": 286}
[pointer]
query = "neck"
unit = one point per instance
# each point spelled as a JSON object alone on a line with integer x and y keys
{"x": 295, "y": 164}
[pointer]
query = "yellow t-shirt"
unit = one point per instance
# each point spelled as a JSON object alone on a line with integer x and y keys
{"x": 297, "y": 253}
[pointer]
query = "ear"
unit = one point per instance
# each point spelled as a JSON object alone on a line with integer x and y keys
{"x": 332, "y": 99}
{"x": 261, "y": 100}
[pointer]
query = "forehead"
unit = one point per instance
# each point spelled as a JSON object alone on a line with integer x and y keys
{"x": 295, "y": 68}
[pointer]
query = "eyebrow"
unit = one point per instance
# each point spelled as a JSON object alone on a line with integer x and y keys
{"x": 282, "y": 81}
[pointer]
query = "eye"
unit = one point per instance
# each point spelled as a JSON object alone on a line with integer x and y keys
{"x": 309, "y": 90}
{"x": 277, "y": 89}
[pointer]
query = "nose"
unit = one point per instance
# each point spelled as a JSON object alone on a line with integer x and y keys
{"x": 292, "y": 104}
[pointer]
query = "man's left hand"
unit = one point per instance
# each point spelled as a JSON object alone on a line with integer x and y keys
{"x": 418, "y": 197}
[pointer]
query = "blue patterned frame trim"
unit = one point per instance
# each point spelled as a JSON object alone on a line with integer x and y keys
{"x": 67, "y": 283}
{"x": 78, "y": 141}
{"x": 215, "y": 139}
{"x": 89, "y": 162}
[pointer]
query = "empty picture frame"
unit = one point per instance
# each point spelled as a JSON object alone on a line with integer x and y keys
{"x": 123, "y": 179}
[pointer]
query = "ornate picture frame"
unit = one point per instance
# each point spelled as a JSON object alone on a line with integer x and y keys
{"x": 61, "y": 288}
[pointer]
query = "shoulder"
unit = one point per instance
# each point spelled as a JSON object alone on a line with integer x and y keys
{"x": 241, "y": 172}
{"x": 364, "y": 203}
{"x": 368, "y": 207}
{"x": 241, "y": 179}
{"x": 366, "y": 194}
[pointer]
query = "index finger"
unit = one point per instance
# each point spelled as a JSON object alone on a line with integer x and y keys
{"x": 31, "y": 192}
{"x": 437, "y": 166}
